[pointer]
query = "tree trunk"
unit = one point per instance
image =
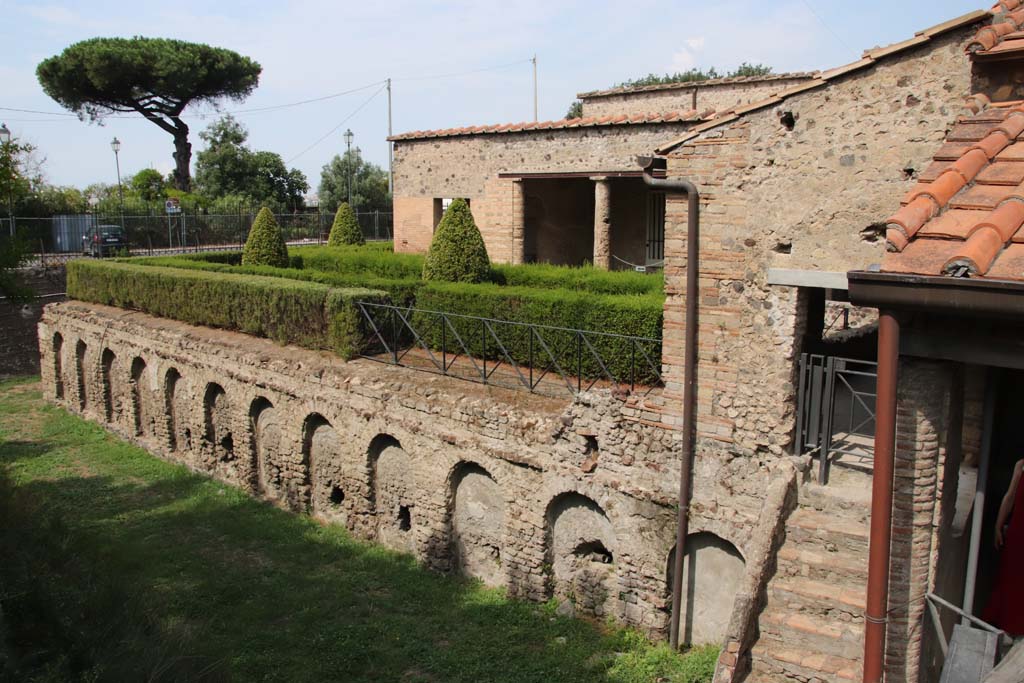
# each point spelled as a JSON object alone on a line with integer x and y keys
{"x": 182, "y": 158}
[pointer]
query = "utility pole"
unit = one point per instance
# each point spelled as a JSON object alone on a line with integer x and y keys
{"x": 534, "y": 60}
{"x": 348, "y": 164}
{"x": 391, "y": 149}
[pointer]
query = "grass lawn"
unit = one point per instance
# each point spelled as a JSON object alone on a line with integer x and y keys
{"x": 120, "y": 566}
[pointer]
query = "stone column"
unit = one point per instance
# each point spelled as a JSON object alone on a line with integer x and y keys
{"x": 518, "y": 222}
{"x": 602, "y": 223}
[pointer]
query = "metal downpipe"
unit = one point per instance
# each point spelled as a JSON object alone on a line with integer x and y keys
{"x": 876, "y": 614}
{"x": 689, "y": 377}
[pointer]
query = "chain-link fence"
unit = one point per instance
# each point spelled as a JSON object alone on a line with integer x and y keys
{"x": 187, "y": 230}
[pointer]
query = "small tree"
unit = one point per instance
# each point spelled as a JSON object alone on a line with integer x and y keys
{"x": 265, "y": 245}
{"x": 457, "y": 252}
{"x": 346, "y": 228}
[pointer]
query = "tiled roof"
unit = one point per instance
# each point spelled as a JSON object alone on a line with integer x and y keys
{"x": 965, "y": 216}
{"x": 1004, "y": 37}
{"x": 867, "y": 60}
{"x": 626, "y": 90}
{"x": 586, "y": 122}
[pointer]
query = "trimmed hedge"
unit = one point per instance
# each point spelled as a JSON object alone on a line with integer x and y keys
{"x": 457, "y": 252}
{"x": 639, "y": 316}
{"x": 345, "y": 229}
{"x": 585, "y": 279}
{"x": 400, "y": 291}
{"x": 355, "y": 260}
{"x": 265, "y": 246}
{"x": 308, "y": 314}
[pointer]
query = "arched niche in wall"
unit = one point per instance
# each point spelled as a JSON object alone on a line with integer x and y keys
{"x": 217, "y": 430}
{"x": 712, "y": 571}
{"x": 322, "y": 450}
{"x": 581, "y": 548}
{"x": 81, "y": 385}
{"x": 172, "y": 382}
{"x": 267, "y": 472}
{"x": 58, "y": 365}
{"x": 478, "y": 523}
{"x": 107, "y": 361}
{"x": 392, "y": 486}
{"x": 140, "y": 412}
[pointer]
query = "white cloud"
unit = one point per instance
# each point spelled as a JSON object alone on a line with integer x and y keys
{"x": 688, "y": 56}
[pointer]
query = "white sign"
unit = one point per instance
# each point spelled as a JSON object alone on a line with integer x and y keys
{"x": 172, "y": 205}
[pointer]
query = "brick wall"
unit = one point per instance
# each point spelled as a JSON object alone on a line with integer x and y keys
{"x": 709, "y": 96}
{"x": 468, "y": 166}
{"x": 19, "y": 352}
{"x": 368, "y": 446}
{"x": 807, "y": 198}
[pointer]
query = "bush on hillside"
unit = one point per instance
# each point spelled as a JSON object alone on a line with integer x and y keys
{"x": 457, "y": 252}
{"x": 265, "y": 245}
{"x": 345, "y": 229}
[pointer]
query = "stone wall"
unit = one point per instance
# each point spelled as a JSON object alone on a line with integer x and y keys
{"x": 713, "y": 96}
{"x": 807, "y": 198}
{"x": 468, "y": 166}
{"x": 19, "y": 352}
{"x": 566, "y": 498}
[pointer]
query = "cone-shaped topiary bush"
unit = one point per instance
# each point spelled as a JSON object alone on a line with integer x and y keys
{"x": 457, "y": 252}
{"x": 265, "y": 245}
{"x": 345, "y": 229}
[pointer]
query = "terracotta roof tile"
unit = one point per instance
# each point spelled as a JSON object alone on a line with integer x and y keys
{"x": 611, "y": 120}
{"x": 966, "y": 216}
{"x": 1003, "y": 34}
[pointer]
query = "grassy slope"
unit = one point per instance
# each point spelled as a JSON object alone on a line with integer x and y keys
{"x": 244, "y": 591}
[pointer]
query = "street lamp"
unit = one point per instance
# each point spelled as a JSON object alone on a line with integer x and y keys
{"x": 5, "y": 140}
{"x": 115, "y": 145}
{"x": 348, "y": 165}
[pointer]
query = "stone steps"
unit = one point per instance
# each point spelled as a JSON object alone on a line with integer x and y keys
{"x": 774, "y": 665}
{"x": 818, "y": 564}
{"x": 808, "y": 633}
{"x": 829, "y": 531}
{"x": 812, "y": 628}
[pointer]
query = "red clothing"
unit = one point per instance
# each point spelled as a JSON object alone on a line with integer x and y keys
{"x": 1006, "y": 606}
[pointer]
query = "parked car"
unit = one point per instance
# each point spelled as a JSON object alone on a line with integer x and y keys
{"x": 104, "y": 240}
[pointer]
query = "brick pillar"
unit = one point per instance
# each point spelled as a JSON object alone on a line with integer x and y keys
{"x": 518, "y": 222}
{"x": 921, "y": 419}
{"x": 602, "y": 223}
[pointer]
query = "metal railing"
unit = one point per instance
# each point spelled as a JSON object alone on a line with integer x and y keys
{"x": 189, "y": 230}
{"x": 836, "y": 410}
{"x": 539, "y": 358}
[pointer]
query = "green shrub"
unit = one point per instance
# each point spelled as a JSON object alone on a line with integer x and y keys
{"x": 585, "y": 278}
{"x": 265, "y": 246}
{"x": 308, "y": 314}
{"x": 639, "y": 316}
{"x": 457, "y": 252}
{"x": 357, "y": 260}
{"x": 345, "y": 229}
{"x": 642, "y": 663}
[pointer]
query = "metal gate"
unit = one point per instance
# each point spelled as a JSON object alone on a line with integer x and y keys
{"x": 836, "y": 410}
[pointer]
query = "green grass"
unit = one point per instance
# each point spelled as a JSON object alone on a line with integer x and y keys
{"x": 120, "y": 566}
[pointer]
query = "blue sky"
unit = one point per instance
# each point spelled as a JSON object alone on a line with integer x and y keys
{"x": 314, "y": 48}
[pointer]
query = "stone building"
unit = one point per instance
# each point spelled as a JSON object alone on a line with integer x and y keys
{"x": 574, "y": 498}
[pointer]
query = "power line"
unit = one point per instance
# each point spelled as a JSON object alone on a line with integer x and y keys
{"x": 342, "y": 123}
{"x": 827, "y": 27}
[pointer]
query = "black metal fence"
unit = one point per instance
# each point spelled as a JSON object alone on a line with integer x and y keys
{"x": 836, "y": 410}
{"x": 539, "y": 358}
{"x": 190, "y": 229}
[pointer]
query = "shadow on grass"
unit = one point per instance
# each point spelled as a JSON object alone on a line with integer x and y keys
{"x": 202, "y": 582}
